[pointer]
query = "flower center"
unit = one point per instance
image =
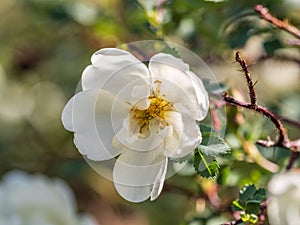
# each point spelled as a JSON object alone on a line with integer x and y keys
{"x": 155, "y": 114}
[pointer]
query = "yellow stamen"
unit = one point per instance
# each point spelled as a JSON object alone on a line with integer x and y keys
{"x": 157, "y": 109}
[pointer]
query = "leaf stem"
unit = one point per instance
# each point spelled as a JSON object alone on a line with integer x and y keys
{"x": 204, "y": 161}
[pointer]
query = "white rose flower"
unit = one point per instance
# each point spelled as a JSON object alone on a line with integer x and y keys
{"x": 144, "y": 115}
{"x": 284, "y": 205}
{"x": 37, "y": 200}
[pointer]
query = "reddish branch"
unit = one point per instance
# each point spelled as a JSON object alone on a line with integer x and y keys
{"x": 283, "y": 139}
{"x": 244, "y": 67}
{"x": 264, "y": 13}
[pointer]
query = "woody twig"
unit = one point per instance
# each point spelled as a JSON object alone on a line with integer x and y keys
{"x": 284, "y": 25}
{"x": 264, "y": 13}
{"x": 283, "y": 139}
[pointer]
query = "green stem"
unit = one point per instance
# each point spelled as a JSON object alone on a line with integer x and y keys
{"x": 204, "y": 161}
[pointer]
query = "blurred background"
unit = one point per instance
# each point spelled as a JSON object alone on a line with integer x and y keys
{"x": 46, "y": 44}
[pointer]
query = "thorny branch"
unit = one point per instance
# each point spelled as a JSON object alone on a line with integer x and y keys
{"x": 264, "y": 13}
{"x": 283, "y": 139}
{"x": 244, "y": 67}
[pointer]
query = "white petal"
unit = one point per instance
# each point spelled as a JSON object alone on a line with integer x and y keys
{"x": 67, "y": 115}
{"x": 136, "y": 173}
{"x": 140, "y": 97}
{"x": 179, "y": 84}
{"x": 159, "y": 182}
{"x": 173, "y": 137}
{"x": 134, "y": 193}
{"x": 292, "y": 213}
{"x": 170, "y": 60}
{"x": 112, "y": 70}
{"x": 280, "y": 183}
{"x": 131, "y": 140}
{"x": 93, "y": 115}
{"x": 201, "y": 94}
{"x": 190, "y": 138}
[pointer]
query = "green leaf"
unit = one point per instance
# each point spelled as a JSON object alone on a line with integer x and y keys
{"x": 252, "y": 208}
{"x": 213, "y": 145}
{"x": 206, "y": 166}
{"x": 206, "y": 129}
{"x": 240, "y": 34}
{"x": 261, "y": 192}
{"x": 247, "y": 192}
{"x": 237, "y": 205}
{"x": 211, "y": 171}
{"x": 272, "y": 45}
{"x": 259, "y": 196}
{"x": 197, "y": 160}
{"x": 249, "y": 203}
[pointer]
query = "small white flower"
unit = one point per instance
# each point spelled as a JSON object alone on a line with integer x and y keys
{"x": 144, "y": 115}
{"x": 284, "y": 205}
{"x": 37, "y": 200}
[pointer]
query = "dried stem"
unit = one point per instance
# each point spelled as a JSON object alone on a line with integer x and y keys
{"x": 264, "y": 13}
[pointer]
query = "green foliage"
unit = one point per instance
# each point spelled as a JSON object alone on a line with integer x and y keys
{"x": 212, "y": 144}
{"x": 211, "y": 171}
{"x": 240, "y": 34}
{"x": 249, "y": 203}
{"x": 204, "y": 157}
{"x": 272, "y": 45}
{"x": 48, "y": 46}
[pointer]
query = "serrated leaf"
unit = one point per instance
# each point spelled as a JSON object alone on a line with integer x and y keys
{"x": 252, "y": 208}
{"x": 213, "y": 145}
{"x": 261, "y": 191}
{"x": 204, "y": 163}
{"x": 237, "y": 205}
{"x": 196, "y": 160}
{"x": 211, "y": 171}
{"x": 257, "y": 198}
{"x": 206, "y": 166}
{"x": 247, "y": 192}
